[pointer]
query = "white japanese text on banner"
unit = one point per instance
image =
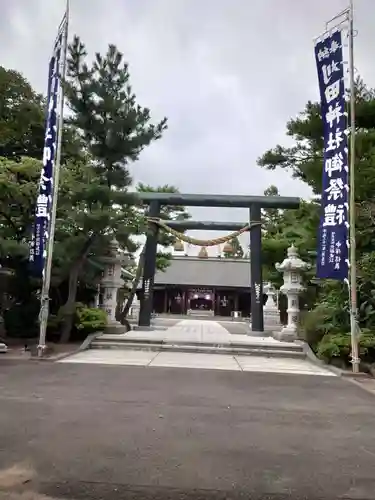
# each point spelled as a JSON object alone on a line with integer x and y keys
{"x": 332, "y": 258}
{"x": 39, "y": 241}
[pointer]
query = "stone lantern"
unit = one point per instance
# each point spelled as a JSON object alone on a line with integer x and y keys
{"x": 292, "y": 268}
{"x": 271, "y": 310}
{"x": 135, "y": 308}
{"x": 110, "y": 283}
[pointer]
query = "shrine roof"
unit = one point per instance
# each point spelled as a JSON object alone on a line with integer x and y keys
{"x": 214, "y": 271}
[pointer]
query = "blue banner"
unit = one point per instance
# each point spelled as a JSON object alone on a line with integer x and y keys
{"x": 332, "y": 258}
{"x": 39, "y": 241}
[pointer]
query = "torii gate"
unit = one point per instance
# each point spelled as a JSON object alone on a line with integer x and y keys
{"x": 254, "y": 203}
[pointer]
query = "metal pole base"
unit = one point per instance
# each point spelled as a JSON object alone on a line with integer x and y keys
{"x": 42, "y": 350}
{"x": 355, "y": 365}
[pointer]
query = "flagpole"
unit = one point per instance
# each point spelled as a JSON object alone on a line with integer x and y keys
{"x": 44, "y": 310}
{"x": 352, "y": 207}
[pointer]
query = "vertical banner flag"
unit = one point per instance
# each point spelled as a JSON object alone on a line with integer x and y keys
{"x": 39, "y": 241}
{"x": 332, "y": 255}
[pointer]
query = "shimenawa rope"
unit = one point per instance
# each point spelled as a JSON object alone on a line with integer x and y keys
{"x": 201, "y": 243}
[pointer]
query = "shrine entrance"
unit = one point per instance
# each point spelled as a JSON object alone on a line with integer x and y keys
{"x": 253, "y": 203}
{"x": 201, "y": 300}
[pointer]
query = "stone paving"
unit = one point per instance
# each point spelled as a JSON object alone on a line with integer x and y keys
{"x": 232, "y": 326}
{"x": 204, "y": 332}
{"x": 198, "y": 360}
{"x": 199, "y": 331}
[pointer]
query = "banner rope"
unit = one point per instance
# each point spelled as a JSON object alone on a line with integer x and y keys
{"x": 198, "y": 242}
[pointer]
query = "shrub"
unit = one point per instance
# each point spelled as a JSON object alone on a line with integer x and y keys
{"x": 338, "y": 347}
{"x": 317, "y": 323}
{"x": 89, "y": 319}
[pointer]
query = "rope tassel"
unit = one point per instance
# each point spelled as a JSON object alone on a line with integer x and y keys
{"x": 202, "y": 243}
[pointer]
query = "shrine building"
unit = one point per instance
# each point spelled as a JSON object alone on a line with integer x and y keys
{"x": 202, "y": 285}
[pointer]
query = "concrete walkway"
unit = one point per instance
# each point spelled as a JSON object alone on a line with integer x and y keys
{"x": 195, "y": 330}
{"x": 204, "y": 332}
{"x": 197, "y": 360}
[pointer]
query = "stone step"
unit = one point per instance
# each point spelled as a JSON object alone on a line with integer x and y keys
{"x": 111, "y": 339}
{"x": 260, "y": 350}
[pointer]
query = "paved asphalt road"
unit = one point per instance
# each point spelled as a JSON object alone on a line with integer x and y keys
{"x": 99, "y": 432}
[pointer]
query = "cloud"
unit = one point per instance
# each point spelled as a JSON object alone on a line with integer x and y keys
{"x": 227, "y": 74}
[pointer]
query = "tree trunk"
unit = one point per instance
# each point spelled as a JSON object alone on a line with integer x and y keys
{"x": 69, "y": 307}
{"x": 136, "y": 281}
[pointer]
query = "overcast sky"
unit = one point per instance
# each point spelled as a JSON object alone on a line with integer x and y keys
{"x": 228, "y": 74}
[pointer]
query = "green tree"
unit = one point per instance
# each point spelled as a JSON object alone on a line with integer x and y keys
{"x": 22, "y": 121}
{"x": 18, "y": 181}
{"x": 304, "y": 159}
{"x": 21, "y": 117}
{"x": 18, "y": 189}
{"x": 271, "y": 217}
{"x": 167, "y": 212}
{"x": 114, "y": 130}
{"x": 298, "y": 227}
{"x": 93, "y": 197}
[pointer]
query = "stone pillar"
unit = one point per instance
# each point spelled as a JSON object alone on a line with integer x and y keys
{"x": 271, "y": 311}
{"x": 149, "y": 269}
{"x": 257, "y": 323}
{"x": 111, "y": 282}
{"x": 292, "y": 268}
{"x": 236, "y": 300}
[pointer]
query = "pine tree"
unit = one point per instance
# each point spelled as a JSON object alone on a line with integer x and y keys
{"x": 114, "y": 130}
{"x": 271, "y": 216}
